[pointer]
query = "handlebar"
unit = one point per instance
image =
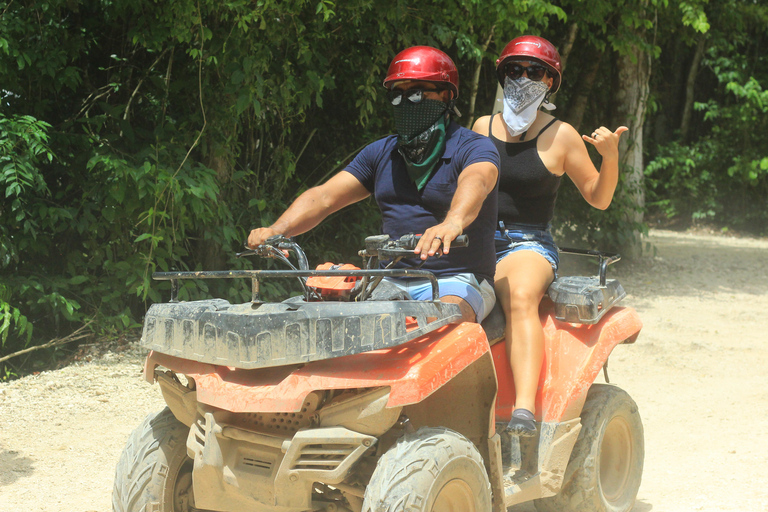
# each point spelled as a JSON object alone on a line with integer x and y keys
{"x": 385, "y": 248}
{"x": 273, "y": 247}
{"x": 380, "y": 247}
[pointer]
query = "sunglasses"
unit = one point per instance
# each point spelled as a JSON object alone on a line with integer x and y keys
{"x": 413, "y": 95}
{"x": 515, "y": 71}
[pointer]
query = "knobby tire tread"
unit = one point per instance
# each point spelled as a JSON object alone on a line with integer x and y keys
{"x": 137, "y": 467}
{"x": 401, "y": 471}
{"x": 580, "y": 491}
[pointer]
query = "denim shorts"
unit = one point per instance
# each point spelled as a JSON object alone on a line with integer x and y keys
{"x": 480, "y": 296}
{"x": 527, "y": 237}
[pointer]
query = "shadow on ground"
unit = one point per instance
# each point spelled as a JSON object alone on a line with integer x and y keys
{"x": 13, "y": 467}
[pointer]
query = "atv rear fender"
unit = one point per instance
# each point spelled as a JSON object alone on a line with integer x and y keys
{"x": 573, "y": 356}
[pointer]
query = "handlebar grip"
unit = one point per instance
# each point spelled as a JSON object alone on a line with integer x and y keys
{"x": 410, "y": 241}
{"x": 460, "y": 241}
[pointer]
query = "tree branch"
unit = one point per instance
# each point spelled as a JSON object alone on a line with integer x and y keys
{"x": 78, "y": 334}
{"x": 573, "y": 30}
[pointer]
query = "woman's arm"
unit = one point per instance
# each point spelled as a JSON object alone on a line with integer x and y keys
{"x": 596, "y": 188}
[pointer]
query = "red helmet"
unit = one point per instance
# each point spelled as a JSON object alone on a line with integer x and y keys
{"x": 532, "y": 48}
{"x": 423, "y": 63}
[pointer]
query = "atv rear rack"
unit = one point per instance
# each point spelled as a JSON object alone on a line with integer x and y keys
{"x": 584, "y": 300}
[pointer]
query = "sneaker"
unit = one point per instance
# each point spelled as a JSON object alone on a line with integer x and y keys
{"x": 522, "y": 424}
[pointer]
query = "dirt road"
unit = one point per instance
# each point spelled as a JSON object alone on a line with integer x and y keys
{"x": 699, "y": 373}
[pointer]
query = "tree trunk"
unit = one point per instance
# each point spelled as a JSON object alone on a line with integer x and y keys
{"x": 634, "y": 71}
{"x": 579, "y": 105}
{"x": 689, "y": 88}
{"x": 566, "y": 50}
{"x": 475, "y": 81}
{"x": 573, "y": 30}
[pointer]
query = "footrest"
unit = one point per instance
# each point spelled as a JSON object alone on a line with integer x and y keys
{"x": 581, "y": 300}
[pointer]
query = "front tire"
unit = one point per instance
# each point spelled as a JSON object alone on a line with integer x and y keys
{"x": 606, "y": 464}
{"x": 154, "y": 472}
{"x": 430, "y": 470}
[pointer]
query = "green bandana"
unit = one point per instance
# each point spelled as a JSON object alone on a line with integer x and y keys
{"x": 421, "y": 137}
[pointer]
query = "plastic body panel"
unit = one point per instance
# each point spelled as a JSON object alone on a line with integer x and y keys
{"x": 413, "y": 371}
{"x": 583, "y": 300}
{"x": 573, "y": 356}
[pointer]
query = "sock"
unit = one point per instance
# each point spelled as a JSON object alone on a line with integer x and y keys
{"x": 523, "y": 414}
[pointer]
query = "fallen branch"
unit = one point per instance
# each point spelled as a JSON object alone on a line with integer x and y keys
{"x": 77, "y": 335}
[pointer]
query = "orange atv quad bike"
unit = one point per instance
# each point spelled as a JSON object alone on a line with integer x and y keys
{"x": 353, "y": 398}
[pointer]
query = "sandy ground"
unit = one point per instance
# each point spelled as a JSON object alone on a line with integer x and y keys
{"x": 699, "y": 373}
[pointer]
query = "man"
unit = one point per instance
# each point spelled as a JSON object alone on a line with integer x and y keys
{"x": 434, "y": 178}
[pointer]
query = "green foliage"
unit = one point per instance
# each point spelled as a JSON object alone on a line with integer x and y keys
{"x": 138, "y": 136}
{"x": 694, "y": 15}
{"x": 721, "y": 177}
{"x": 577, "y": 224}
{"x": 23, "y": 147}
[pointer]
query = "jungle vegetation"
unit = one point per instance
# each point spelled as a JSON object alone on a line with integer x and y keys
{"x": 139, "y": 136}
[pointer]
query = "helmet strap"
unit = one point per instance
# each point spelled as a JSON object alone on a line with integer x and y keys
{"x": 453, "y": 109}
{"x": 546, "y": 105}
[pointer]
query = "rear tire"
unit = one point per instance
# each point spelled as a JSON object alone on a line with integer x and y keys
{"x": 606, "y": 463}
{"x": 430, "y": 470}
{"x": 154, "y": 472}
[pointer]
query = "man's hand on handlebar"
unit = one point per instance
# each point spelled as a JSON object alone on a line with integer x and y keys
{"x": 441, "y": 235}
{"x": 259, "y": 235}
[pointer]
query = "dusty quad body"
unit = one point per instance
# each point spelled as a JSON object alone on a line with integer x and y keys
{"x": 325, "y": 403}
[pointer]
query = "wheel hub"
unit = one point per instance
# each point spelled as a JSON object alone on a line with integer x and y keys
{"x": 455, "y": 496}
{"x": 615, "y": 459}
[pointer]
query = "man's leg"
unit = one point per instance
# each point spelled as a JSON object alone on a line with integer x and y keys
{"x": 475, "y": 299}
{"x": 467, "y": 313}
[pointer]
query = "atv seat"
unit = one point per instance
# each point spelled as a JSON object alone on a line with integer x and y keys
{"x": 494, "y": 325}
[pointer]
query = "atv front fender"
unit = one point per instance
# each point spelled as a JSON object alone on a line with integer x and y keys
{"x": 413, "y": 371}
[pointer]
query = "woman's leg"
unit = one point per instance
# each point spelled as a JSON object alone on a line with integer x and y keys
{"x": 522, "y": 279}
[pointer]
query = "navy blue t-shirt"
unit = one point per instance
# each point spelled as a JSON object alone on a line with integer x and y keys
{"x": 381, "y": 169}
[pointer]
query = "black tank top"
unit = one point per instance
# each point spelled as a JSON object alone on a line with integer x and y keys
{"x": 527, "y": 190}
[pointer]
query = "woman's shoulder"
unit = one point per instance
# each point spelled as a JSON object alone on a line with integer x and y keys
{"x": 466, "y": 138}
{"x": 558, "y": 129}
{"x": 481, "y": 125}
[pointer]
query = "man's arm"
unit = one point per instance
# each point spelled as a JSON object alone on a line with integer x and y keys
{"x": 473, "y": 186}
{"x": 312, "y": 207}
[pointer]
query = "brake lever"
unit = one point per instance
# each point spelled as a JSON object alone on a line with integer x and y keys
{"x": 247, "y": 252}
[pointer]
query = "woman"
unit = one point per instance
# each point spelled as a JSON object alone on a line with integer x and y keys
{"x": 536, "y": 150}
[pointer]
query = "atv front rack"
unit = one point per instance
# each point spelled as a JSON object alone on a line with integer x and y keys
{"x": 255, "y": 275}
{"x": 259, "y": 335}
